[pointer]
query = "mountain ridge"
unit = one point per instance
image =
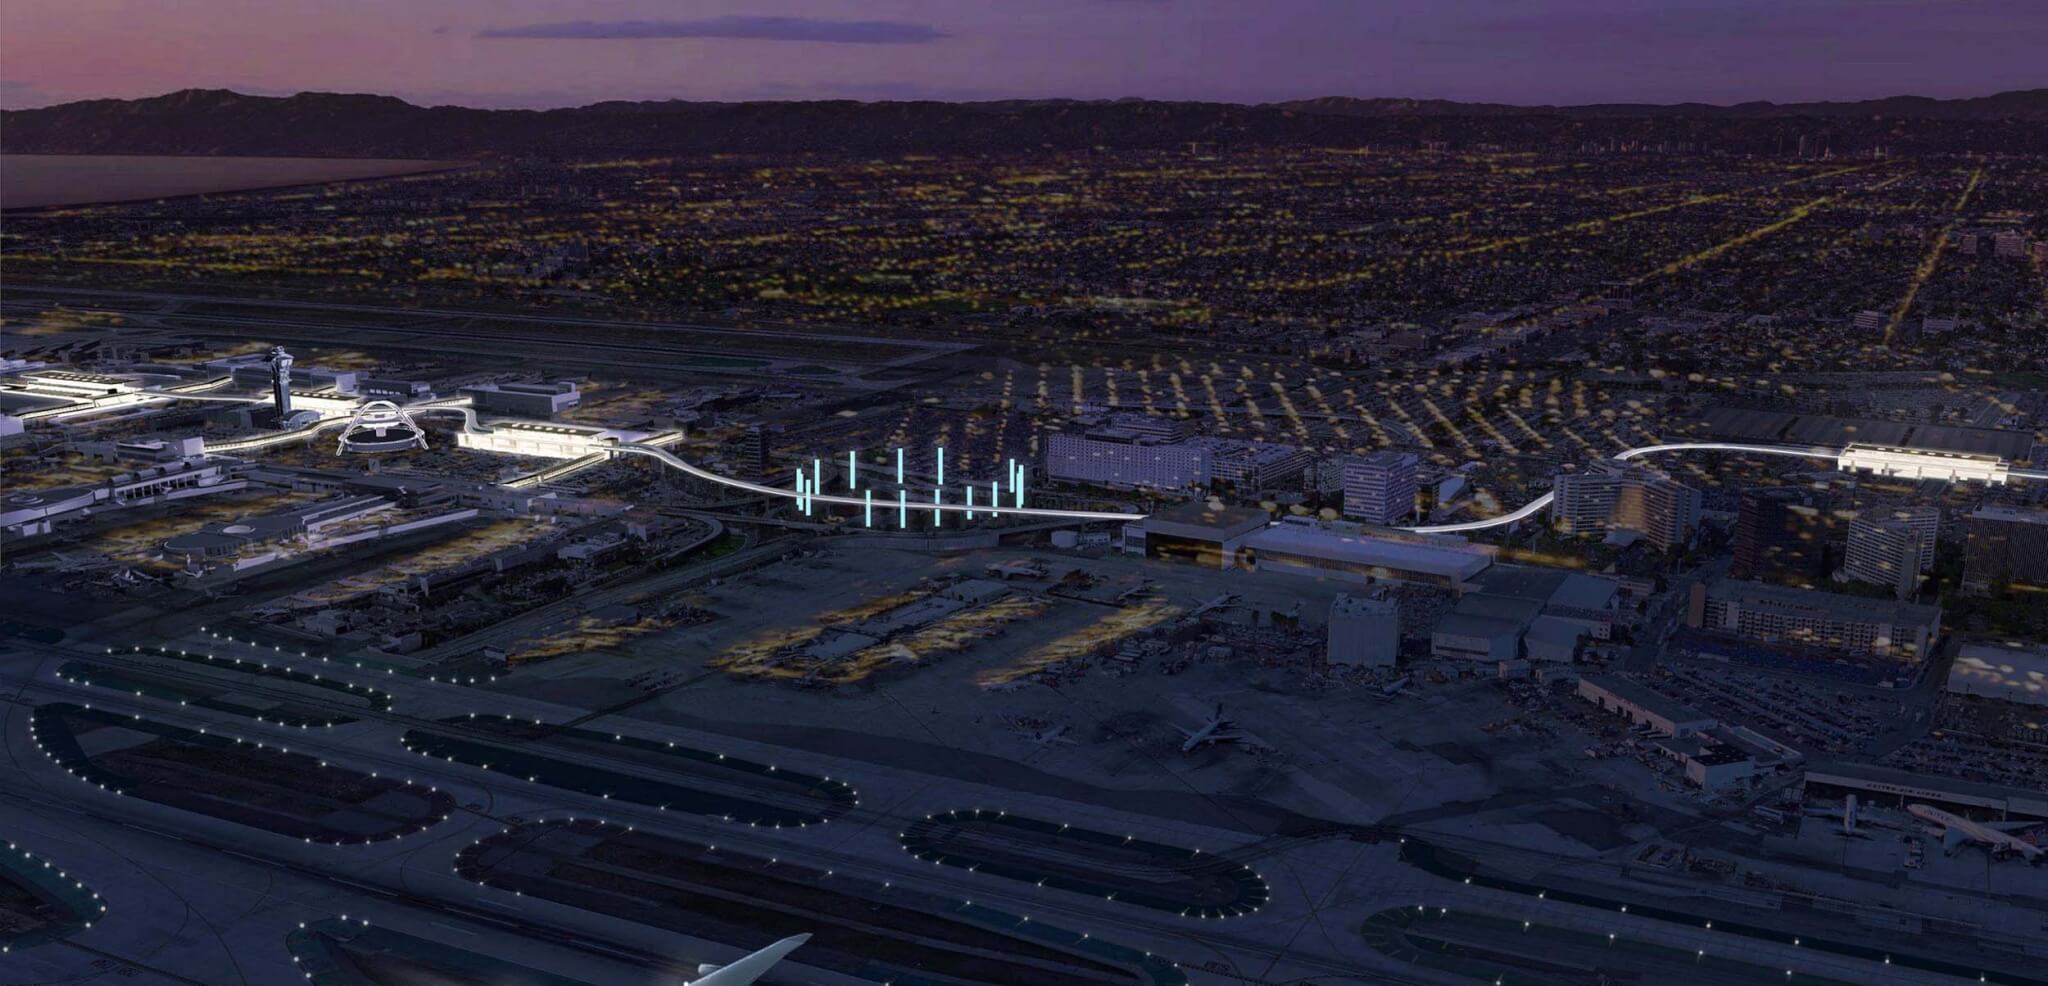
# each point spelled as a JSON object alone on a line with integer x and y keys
{"x": 225, "y": 122}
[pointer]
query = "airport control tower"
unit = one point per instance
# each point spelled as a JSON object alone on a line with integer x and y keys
{"x": 281, "y": 381}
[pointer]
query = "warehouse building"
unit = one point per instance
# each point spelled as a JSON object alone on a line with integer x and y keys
{"x": 1644, "y": 706}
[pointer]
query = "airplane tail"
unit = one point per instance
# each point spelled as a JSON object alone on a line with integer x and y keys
{"x": 750, "y": 968}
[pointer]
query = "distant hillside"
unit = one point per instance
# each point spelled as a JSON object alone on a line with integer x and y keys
{"x": 2020, "y": 106}
{"x": 219, "y": 122}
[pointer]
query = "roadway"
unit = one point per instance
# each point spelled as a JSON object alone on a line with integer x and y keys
{"x": 673, "y": 461}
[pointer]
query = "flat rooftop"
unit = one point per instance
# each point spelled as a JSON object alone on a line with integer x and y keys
{"x": 2017, "y": 800}
{"x": 1201, "y": 520}
{"x": 1458, "y": 563}
{"x": 2011, "y": 673}
{"x": 1832, "y": 604}
{"x": 1648, "y": 699}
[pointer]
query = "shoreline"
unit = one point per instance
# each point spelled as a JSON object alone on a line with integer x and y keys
{"x": 404, "y": 168}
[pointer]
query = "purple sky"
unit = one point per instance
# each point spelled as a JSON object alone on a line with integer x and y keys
{"x": 567, "y": 52}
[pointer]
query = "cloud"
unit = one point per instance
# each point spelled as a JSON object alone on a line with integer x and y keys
{"x": 739, "y": 28}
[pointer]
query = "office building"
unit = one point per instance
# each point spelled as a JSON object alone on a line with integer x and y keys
{"x": 1820, "y": 620}
{"x": 1126, "y": 459}
{"x": 754, "y": 451}
{"x": 261, "y": 370}
{"x": 1610, "y": 498}
{"x": 1380, "y": 488}
{"x": 1365, "y": 631}
{"x": 1252, "y": 466}
{"x": 2004, "y": 546}
{"x": 394, "y": 389}
{"x": 1781, "y": 535}
{"x": 527, "y": 400}
{"x": 1154, "y": 427}
{"x": 1891, "y": 548}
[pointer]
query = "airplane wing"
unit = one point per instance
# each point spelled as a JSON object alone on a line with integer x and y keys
{"x": 1951, "y": 838}
{"x": 751, "y": 968}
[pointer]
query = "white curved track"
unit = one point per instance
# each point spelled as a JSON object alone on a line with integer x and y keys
{"x": 673, "y": 461}
{"x": 1537, "y": 505}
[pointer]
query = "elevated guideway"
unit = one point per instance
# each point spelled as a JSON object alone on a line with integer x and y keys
{"x": 653, "y": 449}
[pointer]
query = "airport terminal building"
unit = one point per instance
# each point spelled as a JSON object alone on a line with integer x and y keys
{"x": 1894, "y": 788}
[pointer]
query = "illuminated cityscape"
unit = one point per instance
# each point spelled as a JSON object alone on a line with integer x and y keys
{"x": 941, "y": 536}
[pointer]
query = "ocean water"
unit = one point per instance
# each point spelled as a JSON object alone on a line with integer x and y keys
{"x": 36, "y": 180}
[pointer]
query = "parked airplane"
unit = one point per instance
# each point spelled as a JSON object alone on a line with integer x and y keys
{"x": 1217, "y": 730}
{"x": 1849, "y": 816}
{"x": 1048, "y": 736}
{"x": 1396, "y": 686}
{"x": 750, "y": 968}
{"x": 1997, "y": 836}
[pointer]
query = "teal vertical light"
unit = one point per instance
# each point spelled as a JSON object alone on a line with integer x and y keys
{"x": 942, "y": 467}
{"x": 937, "y": 514}
{"x": 902, "y": 508}
{"x": 899, "y": 467}
{"x": 970, "y": 500}
{"x": 869, "y": 497}
{"x": 852, "y": 468}
{"x": 995, "y": 496}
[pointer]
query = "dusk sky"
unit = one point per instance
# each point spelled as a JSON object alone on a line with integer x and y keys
{"x": 568, "y": 52}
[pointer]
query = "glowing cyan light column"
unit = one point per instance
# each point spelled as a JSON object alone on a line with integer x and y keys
{"x": 941, "y": 479}
{"x": 899, "y": 467}
{"x": 995, "y": 497}
{"x": 970, "y": 501}
{"x": 1017, "y": 484}
{"x": 852, "y": 467}
{"x": 869, "y": 497}
{"x": 902, "y": 508}
{"x": 937, "y": 514}
{"x": 803, "y": 500}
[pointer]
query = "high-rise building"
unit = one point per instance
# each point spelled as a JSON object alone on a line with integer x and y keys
{"x": 754, "y": 451}
{"x": 1380, "y": 488}
{"x": 2004, "y": 546}
{"x": 1889, "y": 548}
{"x": 1626, "y": 498}
{"x": 1781, "y": 534}
{"x": 1582, "y": 502}
{"x": 1365, "y": 631}
{"x": 1665, "y": 513}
